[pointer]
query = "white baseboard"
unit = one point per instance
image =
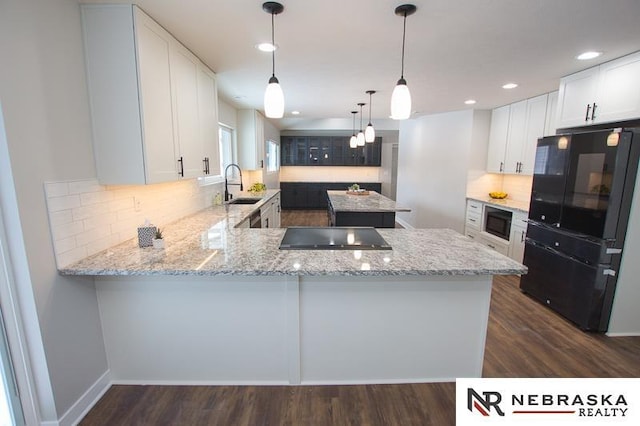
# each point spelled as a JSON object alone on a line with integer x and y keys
{"x": 404, "y": 223}
{"x": 631, "y": 334}
{"x": 82, "y": 406}
{"x": 200, "y": 383}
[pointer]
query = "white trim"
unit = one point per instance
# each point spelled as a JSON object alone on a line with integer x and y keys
{"x": 81, "y": 407}
{"x": 404, "y": 223}
{"x": 622, "y": 334}
{"x": 21, "y": 318}
{"x": 201, "y": 383}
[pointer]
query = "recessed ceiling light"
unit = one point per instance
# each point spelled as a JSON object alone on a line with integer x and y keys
{"x": 266, "y": 47}
{"x": 470, "y": 101}
{"x": 588, "y": 55}
{"x": 510, "y": 86}
{"x": 295, "y": 112}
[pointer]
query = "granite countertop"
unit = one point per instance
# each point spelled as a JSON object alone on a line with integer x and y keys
{"x": 373, "y": 202}
{"x": 207, "y": 243}
{"x": 519, "y": 206}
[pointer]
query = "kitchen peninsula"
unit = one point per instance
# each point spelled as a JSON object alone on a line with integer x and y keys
{"x": 362, "y": 209}
{"x": 224, "y": 305}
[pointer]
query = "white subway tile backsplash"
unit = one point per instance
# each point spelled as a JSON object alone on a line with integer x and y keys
{"x": 56, "y": 189}
{"x": 87, "y": 217}
{"x": 67, "y": 230}
{"x": 65, "y": 202}
{"x": 60, "y": 218}
{"x": 85, "y": 186}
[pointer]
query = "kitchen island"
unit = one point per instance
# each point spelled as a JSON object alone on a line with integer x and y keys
{"x": 367, "y": 208}
{"x": 223, "y": 305}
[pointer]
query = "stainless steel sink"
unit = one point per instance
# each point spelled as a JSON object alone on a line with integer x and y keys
{"x": 245, "y": 201}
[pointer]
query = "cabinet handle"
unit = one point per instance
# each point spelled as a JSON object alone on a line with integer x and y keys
{"x": 262, "y": 164}
{"x": 501, "y": 166}
{"x": 586, "y": 117}
{"x": 181, "y": 172}
{"x": 492, "y": 246}
{"x": 472, "y": 220}
{"x": 266, "y": 222}
{"x": 473, "y": 206}
{"x": 518, "y": 167}
{"x": 522, "y": 237}
{"x": 593, "y": 111}
{"x": 204, "y": 165}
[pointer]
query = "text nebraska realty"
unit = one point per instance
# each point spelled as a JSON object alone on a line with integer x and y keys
{"x": 590, "y": 405}
{"x": 584, "y": 405}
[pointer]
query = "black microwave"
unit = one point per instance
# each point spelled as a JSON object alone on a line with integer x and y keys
{"x": 498, "y": 222}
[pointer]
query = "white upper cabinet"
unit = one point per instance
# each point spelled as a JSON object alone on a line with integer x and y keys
{"x": 498, "y": 139}
{"x": 603, "y": 94}
{"x": 550, "y": 119}
{"x": 250, "y": 139}
{"x": 208, "y": 110}
{"x": 534, "y": 129}
{"x": 146, "y": 99}
{"x": 514, "y": 133}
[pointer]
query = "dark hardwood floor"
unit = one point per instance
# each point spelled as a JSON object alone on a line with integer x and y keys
{"x": 524, "y": 339}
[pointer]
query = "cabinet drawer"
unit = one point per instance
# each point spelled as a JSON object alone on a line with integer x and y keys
{"x": 474, "y": 206}
{"x": 472, "y": 233}
{"x": 498, "y": 246}
{"x": 473, "y": 220}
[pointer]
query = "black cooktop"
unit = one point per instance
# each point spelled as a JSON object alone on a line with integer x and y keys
{"x": 333, "y": 238}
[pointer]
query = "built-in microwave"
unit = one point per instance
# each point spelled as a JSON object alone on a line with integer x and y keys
{"x": 497, "y": 222}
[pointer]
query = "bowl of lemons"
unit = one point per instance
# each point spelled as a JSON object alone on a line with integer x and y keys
{"x": 498, "y": 195}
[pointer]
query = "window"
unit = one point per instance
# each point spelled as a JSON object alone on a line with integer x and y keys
{"x": 273, "y": 156}
{"x": 227, "y": 151}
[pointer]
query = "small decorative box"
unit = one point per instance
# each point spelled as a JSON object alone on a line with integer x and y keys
{"x": 146, "y": 234}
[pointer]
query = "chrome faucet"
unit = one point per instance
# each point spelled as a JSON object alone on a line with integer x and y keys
{"x": 227, "y": 196}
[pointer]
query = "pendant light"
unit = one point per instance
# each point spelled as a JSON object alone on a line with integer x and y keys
{"x": 273, "y": 96}
{"x": 401, "y": 98}
{"x": 369, "y": 132}
{"x": 360, "y": 137}
{"x": 353, "y": 142}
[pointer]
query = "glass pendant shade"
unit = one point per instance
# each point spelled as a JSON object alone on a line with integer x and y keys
{"x": 360, "y": 138}
{"x": 369, "y": 134}
{"x": 274, "y": 99}
{"x": 401, "y": 101}
{"x": 353, "y": 142}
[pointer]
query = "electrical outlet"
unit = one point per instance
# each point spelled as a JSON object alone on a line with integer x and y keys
{"x": 137, "y": 204}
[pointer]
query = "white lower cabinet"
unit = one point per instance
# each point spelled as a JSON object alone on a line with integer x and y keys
{"x": 270, "y": 213}
{"x": 474, "y": 229}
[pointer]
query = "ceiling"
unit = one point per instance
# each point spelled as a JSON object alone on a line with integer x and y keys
{"x": 332, "y": 51}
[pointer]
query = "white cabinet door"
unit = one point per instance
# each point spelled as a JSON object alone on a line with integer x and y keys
{"x": 276, "y": 212}
{"x": 618, "y": 90}
{"x": 208, "y": 110}
{"x": 498, "y": 139}
{"x": 551, "y": 116}
{"x": 156, "y": 102}
{"x": 515, "y": 136}
{"x": 250, "y": 139}
{"x": 184, "y": 71}
{"x": 517, "y": 243}
{"x": 535, "y": 121}
{"x": 577, "y": 94}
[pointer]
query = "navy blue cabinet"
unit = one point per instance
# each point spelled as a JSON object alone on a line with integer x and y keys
{"x": 328, "y": 151}
{"x": 313, "y": 195}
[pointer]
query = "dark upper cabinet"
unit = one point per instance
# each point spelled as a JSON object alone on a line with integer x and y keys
{"x": 328, "y": 151}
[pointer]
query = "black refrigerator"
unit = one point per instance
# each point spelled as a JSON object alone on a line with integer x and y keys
{"x": 580, "y": 201}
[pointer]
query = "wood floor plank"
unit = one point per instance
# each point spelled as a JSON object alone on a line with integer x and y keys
{"x": 524, "y": 339}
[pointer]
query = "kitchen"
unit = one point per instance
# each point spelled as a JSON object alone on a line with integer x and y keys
{"x": 49, "y": 143}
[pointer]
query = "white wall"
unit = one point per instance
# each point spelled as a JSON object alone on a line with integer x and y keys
{"x": 625, "y": 315}
{"x": 44, "y": 98}
{"x": 435, "y": 154}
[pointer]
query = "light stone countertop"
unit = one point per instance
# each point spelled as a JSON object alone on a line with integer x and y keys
{"x": 207, "y": 243}
{"x": 519, "y": 206}
{"x": 373, "y": 202}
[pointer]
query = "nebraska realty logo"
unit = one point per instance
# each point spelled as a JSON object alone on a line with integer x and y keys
{"x": 551, "y": 401}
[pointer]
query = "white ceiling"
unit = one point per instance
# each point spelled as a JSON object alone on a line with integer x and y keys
{"x": 332, "y": 51}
